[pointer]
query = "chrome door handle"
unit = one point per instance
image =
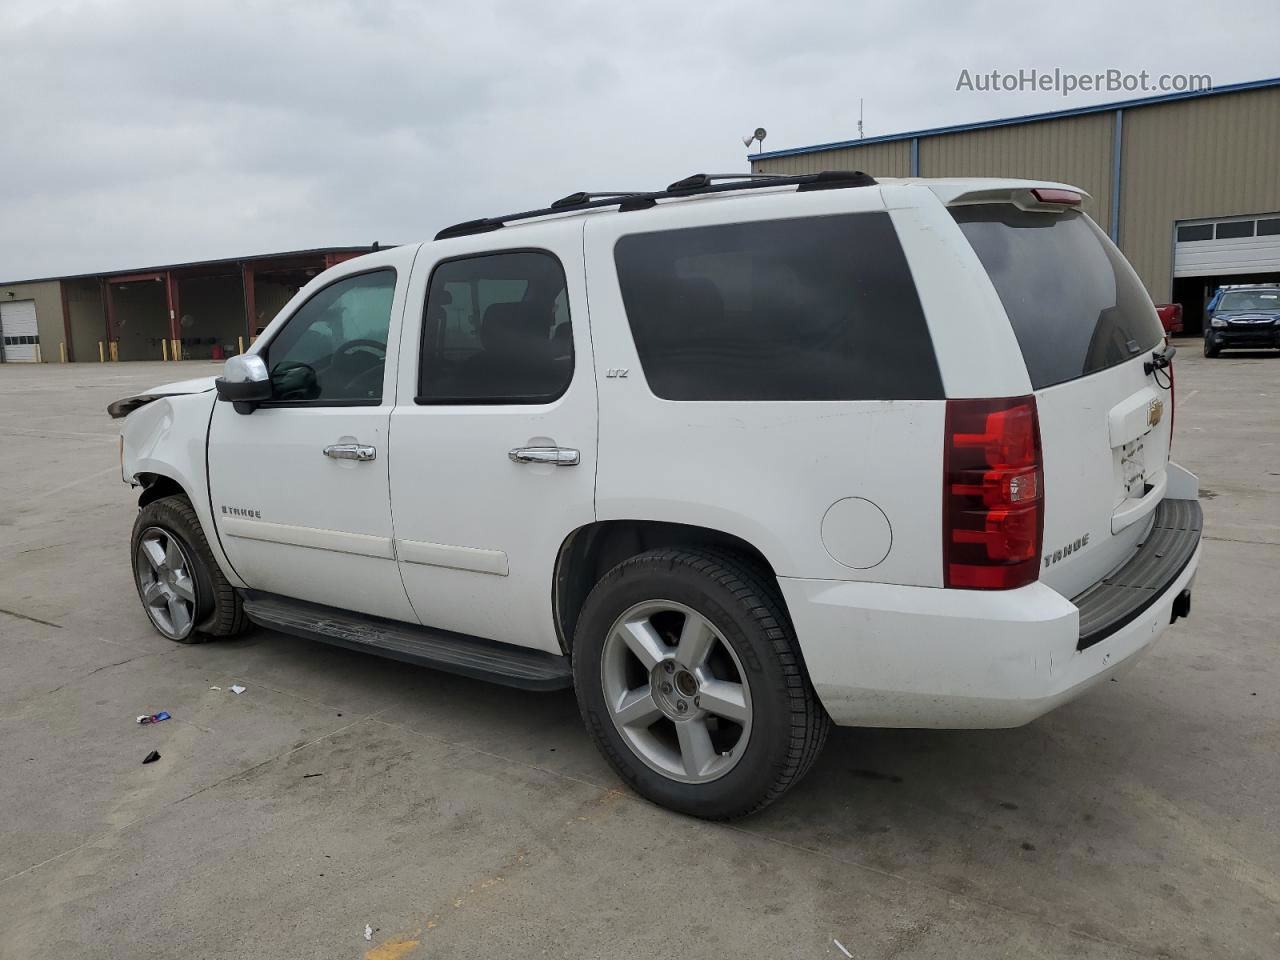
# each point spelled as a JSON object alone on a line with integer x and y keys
{"x": 557, "y": 456}
{"x": 350, "y": 451}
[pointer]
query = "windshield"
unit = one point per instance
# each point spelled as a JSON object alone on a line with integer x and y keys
{"x": 1251, "y": 300}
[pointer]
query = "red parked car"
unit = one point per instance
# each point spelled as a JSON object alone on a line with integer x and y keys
{"x": 1170, "y": 317}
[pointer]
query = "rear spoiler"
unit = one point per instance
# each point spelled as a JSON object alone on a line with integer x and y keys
{"x": 1025, "y": 195}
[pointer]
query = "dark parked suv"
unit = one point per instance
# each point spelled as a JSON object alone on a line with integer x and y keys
{"x": 1244, "y": 317}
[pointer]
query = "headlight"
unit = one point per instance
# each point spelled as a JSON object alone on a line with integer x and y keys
{"x": 1218, "y": 322}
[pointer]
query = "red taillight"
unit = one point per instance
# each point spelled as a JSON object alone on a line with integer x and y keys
{"x": 1054, "y": 195}
{"x": 993, "y": 494}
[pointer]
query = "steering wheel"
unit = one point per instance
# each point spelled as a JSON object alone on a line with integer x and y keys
{"x": 352, "y": 345}
{"x": 375, "y": 369}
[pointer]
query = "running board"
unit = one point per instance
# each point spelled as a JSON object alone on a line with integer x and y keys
{"x": 459, "y": 653}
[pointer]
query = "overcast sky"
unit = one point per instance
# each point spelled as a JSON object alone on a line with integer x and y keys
{"x": 142, "y": 132}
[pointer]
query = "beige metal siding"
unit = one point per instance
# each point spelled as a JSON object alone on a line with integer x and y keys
{"x": 48, "y": 297}
{"x": 891, "y": 159}
{"x": 1074, "y": 150}
{"x": 1211, "y": 157}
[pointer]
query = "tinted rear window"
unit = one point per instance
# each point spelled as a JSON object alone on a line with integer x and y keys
{"x": 1075, "y": 305}
{"x": 814, "y": 308}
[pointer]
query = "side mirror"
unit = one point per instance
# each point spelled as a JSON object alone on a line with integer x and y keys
{"x": 244, "y": 382}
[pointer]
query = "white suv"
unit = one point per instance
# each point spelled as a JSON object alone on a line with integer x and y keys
{"x": 735, "y": 459}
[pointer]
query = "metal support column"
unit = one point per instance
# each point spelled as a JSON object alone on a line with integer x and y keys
{"x": 171, "y": 299}
{"x": 1117, "y": 150}
{"x": 68, "y": 350}
{"x": 250, "y": 300}
{"x": 107, "y": 311}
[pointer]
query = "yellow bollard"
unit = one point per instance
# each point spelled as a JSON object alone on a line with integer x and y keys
{"x": 177, "y": 349}
{"x": 164, "y": 349}
{"x": 62, "y": 351}
{"x": 240, "y": 344}
{"x": 101, "y": 357}
{"x": 115, "y": 351}
{"x": 39, "y": 358}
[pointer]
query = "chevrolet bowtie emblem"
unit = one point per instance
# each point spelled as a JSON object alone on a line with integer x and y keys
{"x": 1155, "y": 410}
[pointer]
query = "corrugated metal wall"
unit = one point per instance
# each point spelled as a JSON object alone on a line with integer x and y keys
{"x": 1075, "y": 150}
{"x": 891, "y": 159}
{"x": 1211, "y": 157}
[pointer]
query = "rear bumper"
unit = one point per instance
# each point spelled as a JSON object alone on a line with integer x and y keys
{"x": 884, "y": 655}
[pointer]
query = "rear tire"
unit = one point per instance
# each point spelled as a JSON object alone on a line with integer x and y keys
{"x": 739, "y": 723}
{"x": 183, "y": 591}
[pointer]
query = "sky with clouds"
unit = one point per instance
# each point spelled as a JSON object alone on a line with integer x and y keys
{"x": 141, "y": 132}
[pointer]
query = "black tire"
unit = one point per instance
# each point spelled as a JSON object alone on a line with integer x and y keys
{"x": 218, "y": 611}
{"x": 789, "y": 725}
{"x": 1209, "y": 349}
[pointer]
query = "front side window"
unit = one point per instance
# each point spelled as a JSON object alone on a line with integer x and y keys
{"x": 496, "y": 329}
{"x": 812, "y": 308}
{"x": 334, "y": 348}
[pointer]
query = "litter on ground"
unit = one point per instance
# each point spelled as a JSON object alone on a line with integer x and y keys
{"x": 151, "y": 757}
{"x": 155, "y": 717}
{"x": 236, "y": 688}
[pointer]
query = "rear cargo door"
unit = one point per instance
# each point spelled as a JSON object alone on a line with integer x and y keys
{"x": 1087, "y": 330}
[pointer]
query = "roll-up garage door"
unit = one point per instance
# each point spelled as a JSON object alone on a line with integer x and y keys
{"x": 18, "y": 327}
{"x": 1240, "y": 245}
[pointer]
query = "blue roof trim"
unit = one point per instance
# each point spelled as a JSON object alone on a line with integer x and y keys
{"x": 1027, "y": 118}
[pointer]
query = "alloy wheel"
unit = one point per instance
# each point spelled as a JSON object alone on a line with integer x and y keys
{"x": 676, "y": 691}
{"x": 165, "y": 582}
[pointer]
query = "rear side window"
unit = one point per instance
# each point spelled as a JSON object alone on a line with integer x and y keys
{"x": 496, "y": 329}
{"x": 1075, "y": 305}
{"x": 814, "y": 308}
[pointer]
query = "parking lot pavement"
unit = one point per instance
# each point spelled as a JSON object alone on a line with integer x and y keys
{"x": 460, "y": 820}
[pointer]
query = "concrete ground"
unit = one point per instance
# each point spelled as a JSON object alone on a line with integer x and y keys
{"x": 462, "y": 820}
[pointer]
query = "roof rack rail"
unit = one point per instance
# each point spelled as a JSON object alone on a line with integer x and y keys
{"x": 698, "y": 183}
{"x": 573, "y": 199}
{"x": 700, "y": 180}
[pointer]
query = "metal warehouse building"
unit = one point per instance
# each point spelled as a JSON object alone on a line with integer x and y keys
{"x": 1188, "y": 185}
{"x": 193, "y": 311}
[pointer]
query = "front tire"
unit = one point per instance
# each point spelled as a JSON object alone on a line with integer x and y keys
{"x": 1209, "y": 349}
{"x": 690, "y": 681}
{"x": 184, "y": 593}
